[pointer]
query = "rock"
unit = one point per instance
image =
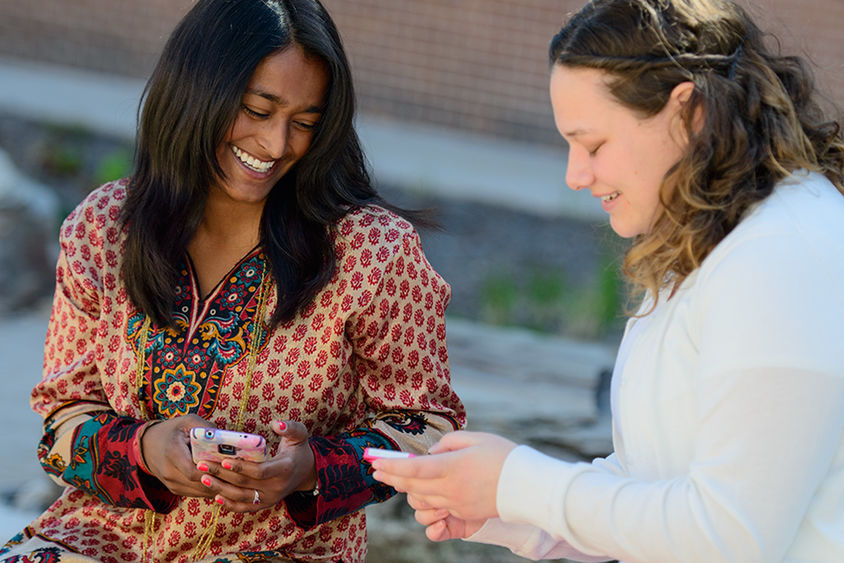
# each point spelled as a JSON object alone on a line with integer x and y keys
{"x": 544, "y": 391}
{"x": 36, "y": 494}
{"x": 28, "y": 232}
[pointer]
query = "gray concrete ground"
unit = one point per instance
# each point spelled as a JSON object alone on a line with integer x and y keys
{"x": 525, "y": 386}
{"x": 21, "y": 339}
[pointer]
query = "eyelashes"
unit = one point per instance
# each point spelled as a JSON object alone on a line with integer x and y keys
{"x": 304, "y": 125}
{"x": 253, "y": 113}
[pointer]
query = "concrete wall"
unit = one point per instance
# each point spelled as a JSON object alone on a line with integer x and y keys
{"x": 478, "y": 65}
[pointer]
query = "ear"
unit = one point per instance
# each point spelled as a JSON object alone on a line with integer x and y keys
{"x": 679, "y": 99}
{"x": 682, "y": 93}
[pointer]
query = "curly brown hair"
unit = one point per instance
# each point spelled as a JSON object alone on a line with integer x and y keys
{"x": 761, "y": 121}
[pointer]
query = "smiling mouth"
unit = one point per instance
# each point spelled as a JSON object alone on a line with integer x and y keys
{"x": 251, "y": 162}
{"x": 610, "y": 197}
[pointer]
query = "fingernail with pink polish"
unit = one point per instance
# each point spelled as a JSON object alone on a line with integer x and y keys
{"x": 282, "y": 426}
{"x": 202, "y": 467}
{"x": 206, "y": 480}
{"x": 219, "y": 500}
{"x": 226, "y": 464}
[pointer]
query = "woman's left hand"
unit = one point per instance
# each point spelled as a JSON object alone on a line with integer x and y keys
{"x": 244, "y": 486}
{"x": 440, "y": 525}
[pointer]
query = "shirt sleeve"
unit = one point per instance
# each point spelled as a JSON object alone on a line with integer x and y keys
{"x": 770, "y": 419}
{"x": 527, "y": 541}
{"x": 85, "y": 443}
{"x": 402, "y": 363}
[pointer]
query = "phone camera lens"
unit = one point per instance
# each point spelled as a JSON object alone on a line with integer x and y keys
{"x": 209, "y": 434}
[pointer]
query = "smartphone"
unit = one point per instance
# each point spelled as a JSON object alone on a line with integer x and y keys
{"x": 216, "y": 444}
{"x": 371, "y": 454}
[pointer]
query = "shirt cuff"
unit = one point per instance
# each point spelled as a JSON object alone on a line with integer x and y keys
{"x": 532, "y": 488}
{"x": 151, "y": 492}
{"x": 344, "y": 482}
{"x": 527, "y": 541}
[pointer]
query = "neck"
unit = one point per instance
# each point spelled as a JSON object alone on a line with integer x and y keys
{"x": 231, "y": 225}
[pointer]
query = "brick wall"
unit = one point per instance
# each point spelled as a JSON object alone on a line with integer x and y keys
{"x": 121, "y": 37}
{"x": 478, "y": 65}
{"x": 813, "y": 28}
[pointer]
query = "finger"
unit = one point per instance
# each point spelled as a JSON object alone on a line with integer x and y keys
{"x": 428, "y": 517}
{"x": 291, "y": 431}
{"x": 239, "y": 505}
{"x": 238, "y": 472}
{"x": 211, "y": 486}
{"x": 437, "y": 531}
{"x": 242, "y": 472}
{"x": 455, "y": 441}
{"x": 387, "y": 479}
{"x": 233, "y": 498}
{"x": 417, "y": 503}
{"x": 422, "y": 467}
{"x": 428, "y": 490}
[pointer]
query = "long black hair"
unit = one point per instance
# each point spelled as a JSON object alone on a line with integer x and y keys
{"x": 189, "y": 104}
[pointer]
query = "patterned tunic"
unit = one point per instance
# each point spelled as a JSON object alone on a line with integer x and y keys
{"x": 365, "y": 364}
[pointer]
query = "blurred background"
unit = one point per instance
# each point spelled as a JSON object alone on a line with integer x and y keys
{"x": 476, "y": 65}
{"x": 454, "y": 115}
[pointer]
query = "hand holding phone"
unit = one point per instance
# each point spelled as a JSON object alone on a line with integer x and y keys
{"x": 216, "y": 444}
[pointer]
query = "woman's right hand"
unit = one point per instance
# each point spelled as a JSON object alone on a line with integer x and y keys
{"x": 439, "y": 524}
{"x": 166, "y": 451}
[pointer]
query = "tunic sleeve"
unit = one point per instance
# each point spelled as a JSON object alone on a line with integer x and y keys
{"x": 402, "y": 362}
{"x": 85, "y": 443}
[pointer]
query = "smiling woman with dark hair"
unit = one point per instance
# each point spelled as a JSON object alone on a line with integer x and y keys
{"x": 247, "y": 277}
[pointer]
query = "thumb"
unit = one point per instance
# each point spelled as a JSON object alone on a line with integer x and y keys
{"x": 292, "y": 432}
{"x": 454, "y": 441}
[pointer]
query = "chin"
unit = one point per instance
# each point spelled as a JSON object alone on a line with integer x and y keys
{"x": 624, "y": 231}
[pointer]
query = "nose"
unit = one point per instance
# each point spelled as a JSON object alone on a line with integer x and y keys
{"x": 274, "y": 138}
{"x": 579, "y": 173}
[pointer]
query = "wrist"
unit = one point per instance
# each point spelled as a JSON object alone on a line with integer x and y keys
{"x": 138, "y": 447}
{"x": 310, "y": 486}
{"x": 312, "y": 492}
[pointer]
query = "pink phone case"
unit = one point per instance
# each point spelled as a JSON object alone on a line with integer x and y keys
{"x": 215, "y": 444}
{"x": 371, "y": 454}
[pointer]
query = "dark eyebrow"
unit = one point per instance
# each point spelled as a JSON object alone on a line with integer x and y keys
{"x": 280, "y": 101}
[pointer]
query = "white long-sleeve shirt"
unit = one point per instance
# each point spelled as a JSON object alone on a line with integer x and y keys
{"x": 728, "y": 412}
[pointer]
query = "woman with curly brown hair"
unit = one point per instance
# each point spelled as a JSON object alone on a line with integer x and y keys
{"x": 707, "y": 148}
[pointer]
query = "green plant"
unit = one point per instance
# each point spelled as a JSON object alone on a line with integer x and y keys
{"x": 546, "y": 288}
{"x": 61, "y": 159}
{"x": 499, "y": 295}
{"x": 116, "y": 164}
{"x": 609, "y": 289}
{"x": 546, "y": 301}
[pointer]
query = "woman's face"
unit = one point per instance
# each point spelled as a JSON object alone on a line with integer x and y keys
{"x": 615, "y": 154}
{"x": 275, "y": 125}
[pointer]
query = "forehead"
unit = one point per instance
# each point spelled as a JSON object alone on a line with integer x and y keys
{"x": 581, "y": 99}
{"x": 290, "y": 77}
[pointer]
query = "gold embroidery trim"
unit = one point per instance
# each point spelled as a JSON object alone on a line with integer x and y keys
{"x": 149, "y": 515}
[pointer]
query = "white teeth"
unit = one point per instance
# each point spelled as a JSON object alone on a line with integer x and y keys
{"x": 251, "y": 161}
{"x": 610, "y": 197}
